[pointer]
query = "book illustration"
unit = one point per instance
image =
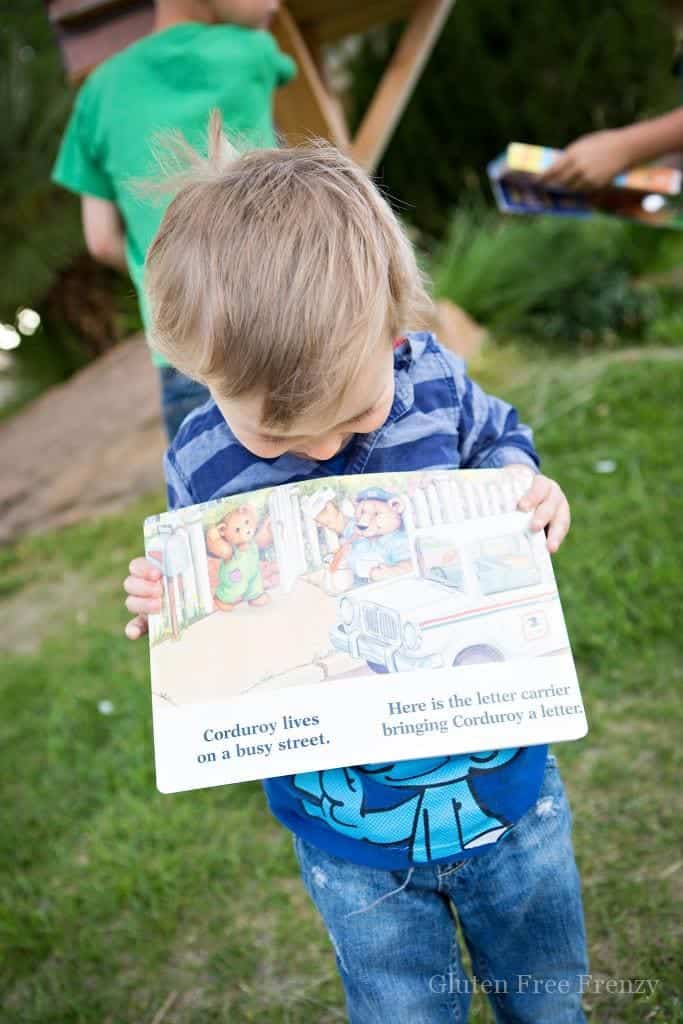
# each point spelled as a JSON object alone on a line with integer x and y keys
{"x": 649, "y": 195}
{"x": 335, "y": 578}
{"x": 463, "y": 603}
{"x": 361, "y": 620}
{"x": 236, "y": 541}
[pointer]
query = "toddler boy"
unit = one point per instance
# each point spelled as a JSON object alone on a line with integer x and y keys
{"x": 282, "y": 280}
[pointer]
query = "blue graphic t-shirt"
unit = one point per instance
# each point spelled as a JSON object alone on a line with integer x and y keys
{"x": 426, "y": 810}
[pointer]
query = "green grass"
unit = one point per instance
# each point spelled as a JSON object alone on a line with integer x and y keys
{"x": 122, "y": 906}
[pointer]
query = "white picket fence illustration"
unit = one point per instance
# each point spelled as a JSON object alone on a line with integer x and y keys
{"x": 301, "y": 545}
{"x": 446, "y": 498}
{"x": 176, "y": 543}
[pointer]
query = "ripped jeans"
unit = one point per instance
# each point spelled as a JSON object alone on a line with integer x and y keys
{"x": 519, "y": 908}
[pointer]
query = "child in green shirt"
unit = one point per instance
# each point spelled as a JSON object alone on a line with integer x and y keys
{"x": 203, "y": 54}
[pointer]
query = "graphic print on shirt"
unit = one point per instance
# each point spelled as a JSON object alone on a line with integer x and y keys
{"x": 444, "y": 818}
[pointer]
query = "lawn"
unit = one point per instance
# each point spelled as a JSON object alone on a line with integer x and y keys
{"x": 122, "y": 906}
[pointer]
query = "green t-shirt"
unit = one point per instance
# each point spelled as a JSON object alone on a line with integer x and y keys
{"x": 168, "y": 80}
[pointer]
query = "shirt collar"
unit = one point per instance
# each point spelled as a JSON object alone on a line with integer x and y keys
{"x": 404, "y": 395}
{"x": 403, "y": 355}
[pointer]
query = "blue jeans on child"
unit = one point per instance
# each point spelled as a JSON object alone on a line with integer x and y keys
{"x": 519, "y": 908}
{"x": 179, "y": 396}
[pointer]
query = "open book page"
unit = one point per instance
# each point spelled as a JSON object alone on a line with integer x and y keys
{"x": 330, "y": 622}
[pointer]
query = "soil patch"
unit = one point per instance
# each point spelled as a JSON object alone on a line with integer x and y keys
{"x": 85, "y": 447}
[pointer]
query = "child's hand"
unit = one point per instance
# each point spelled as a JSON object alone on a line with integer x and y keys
{"x": 546, "y": 499}
{"x": 590, "y": 162}
{"x": 145, "y": 590}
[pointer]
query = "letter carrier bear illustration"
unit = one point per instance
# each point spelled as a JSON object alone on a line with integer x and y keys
{"x": 379, "y": 547}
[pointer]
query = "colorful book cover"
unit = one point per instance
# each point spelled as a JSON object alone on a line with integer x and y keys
{"x": 650, "y": 195}
{"x": 337, "y": 621}
{"x": 652, "y": 178}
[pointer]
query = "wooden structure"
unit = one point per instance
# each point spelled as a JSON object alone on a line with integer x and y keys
{"x": 89, "y": 31}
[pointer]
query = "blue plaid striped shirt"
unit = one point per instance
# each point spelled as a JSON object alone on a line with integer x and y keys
{"x": 440, "y": 419}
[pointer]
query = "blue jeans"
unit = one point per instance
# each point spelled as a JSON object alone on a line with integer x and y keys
{"x": 179, "y": 396}
{"x": 519, "y": 908}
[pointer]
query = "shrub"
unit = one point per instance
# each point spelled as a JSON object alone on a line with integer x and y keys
{"x": 39, "y": 224}
{"x": 549, "y": 278}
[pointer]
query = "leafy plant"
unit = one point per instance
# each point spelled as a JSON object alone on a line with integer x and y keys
{"x": 84, "y": 307}
{"x": 547, "y": 277}
{"x": 39, "y": 225}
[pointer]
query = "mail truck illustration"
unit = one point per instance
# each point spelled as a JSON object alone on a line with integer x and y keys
{"x": 480, "y": 590}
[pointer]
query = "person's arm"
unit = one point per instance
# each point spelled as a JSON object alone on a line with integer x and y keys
{"x": 592, "y": 161}
{"x": 81, "y": 166}
{"x": 104, "y": 233}
{"x": 490, "y": 436}
{"x": 217, "y": 545}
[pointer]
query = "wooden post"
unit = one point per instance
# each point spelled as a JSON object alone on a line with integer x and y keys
{"x": 398, "y": 81}
{"x": 304, "y": 107}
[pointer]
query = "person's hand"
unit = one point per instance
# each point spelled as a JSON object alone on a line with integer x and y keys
{"x": 545, "y": 498}
{"x": 145, "y": 590}
{"x": 590, "y": 162}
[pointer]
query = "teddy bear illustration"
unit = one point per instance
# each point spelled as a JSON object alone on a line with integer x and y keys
{"x": 236, "y": 541}
{"x": 379, "y": 546}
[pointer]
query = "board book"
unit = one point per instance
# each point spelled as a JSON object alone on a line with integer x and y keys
{"x": 649, "y": 195}
{"x": 337, "y": 621}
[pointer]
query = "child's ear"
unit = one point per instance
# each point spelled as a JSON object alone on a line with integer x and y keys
{"x": 397, "y": 505}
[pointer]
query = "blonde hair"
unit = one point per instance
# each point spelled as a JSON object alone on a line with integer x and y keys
{"x": 279, "y": 272}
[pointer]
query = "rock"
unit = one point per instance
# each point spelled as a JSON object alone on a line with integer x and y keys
{"x": 458, "y": 331}
{"x": 84, "y": 447}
